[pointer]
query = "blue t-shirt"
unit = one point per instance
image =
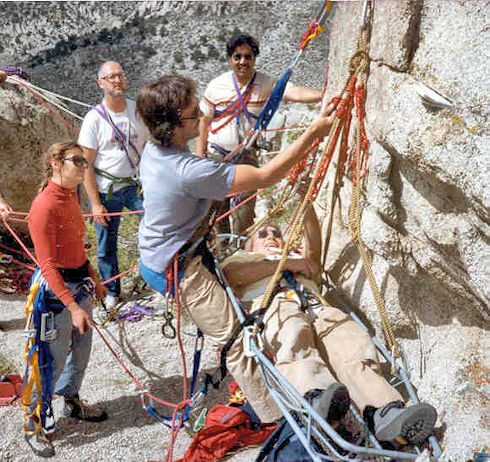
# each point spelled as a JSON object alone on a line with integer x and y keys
{"x": 178, "y": 188}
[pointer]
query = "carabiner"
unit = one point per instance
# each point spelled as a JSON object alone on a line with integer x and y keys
{"x": 168, "y": 330}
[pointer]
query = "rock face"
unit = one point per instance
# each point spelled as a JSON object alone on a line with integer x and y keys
{"x": 425, "y": 208}
{"x": 27, "y": 129}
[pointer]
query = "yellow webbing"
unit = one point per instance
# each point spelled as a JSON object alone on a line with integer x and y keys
{"x": 32, "y": 383}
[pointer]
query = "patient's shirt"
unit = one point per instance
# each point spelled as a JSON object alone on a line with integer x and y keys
{"x": 250, "y": 292}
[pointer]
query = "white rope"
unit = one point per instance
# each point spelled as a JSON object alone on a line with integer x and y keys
{"x": 33, "y": 88}
{"x": 57, "y": 95}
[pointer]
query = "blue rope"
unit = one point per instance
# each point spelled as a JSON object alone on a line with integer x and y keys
{"x": 195, "y": 372}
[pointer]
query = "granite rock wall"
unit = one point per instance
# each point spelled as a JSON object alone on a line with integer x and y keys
{"x": 425, "y": 208}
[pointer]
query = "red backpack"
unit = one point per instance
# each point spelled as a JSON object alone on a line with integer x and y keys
{"x": 226, "y": 427}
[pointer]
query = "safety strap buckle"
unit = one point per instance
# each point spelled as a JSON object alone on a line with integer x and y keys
{"x": 48, "y": 332}
{"x": 248, "y": 335}
{"x": 29, "y": 333}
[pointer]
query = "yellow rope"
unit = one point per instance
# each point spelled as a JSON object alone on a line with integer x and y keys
{"x": 359, "y": 67}
{"x": 32, "y": 383}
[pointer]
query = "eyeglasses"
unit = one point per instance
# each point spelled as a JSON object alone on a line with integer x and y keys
{"x": 263, "y": 233}
{"x": 78, "y": 161}
{"x": 237, "y": 57}
{"x": 113, "y": 77}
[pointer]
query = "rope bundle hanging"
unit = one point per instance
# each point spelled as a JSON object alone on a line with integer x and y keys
{"x": 352, "y": 96}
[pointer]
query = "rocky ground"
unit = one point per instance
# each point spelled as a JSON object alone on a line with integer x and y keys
{"x": 131, "y": 433}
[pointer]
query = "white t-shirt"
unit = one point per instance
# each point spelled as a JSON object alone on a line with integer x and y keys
{"x": 97, "y": 133}
{"x": 220, "y": 93}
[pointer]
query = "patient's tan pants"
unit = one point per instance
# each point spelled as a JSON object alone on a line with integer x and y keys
{"x": 312, "y": 352}
{"x": 302, "y": 349}
{"x": 208, "y": 306}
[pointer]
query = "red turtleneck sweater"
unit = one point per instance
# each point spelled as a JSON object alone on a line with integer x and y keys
{"x": 57, "y": 228}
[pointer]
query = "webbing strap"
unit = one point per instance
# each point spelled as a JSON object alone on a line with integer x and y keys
{"x": 251, "y": 318}
{"x": 115, "y": 180}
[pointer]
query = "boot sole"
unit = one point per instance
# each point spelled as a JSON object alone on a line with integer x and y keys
{"x": 46, "y": 452}
{"x": 413, "y": 425}
{"x": 334, "y": 398}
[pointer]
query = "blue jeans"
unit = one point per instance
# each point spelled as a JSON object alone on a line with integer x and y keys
{"x": 70, "y": 349}
{"x": 107, "y": 235}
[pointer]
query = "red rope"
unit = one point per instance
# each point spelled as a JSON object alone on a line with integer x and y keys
{"x": 176, "y": 428}
{"x": 17, "y": 238}
{"x": 53, "y": 111}
{"x": 25, "y": 265}
{"x": 133, "y": 378}
{"x": 232, "y": 153}
{"x": 117, "y": 276}
{"x": 290, "y": 127}
{"x": 240, "y": 204}
{"x": 113, "y": 214}
{"x": 10, "y": 249}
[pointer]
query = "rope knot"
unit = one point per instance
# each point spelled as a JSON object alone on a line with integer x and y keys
{"x": 358, "y": 61}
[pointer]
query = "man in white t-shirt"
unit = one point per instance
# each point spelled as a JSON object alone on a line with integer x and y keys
{"x": 230, "y": 107}
{"x": 112, "y": 139}
{"x": 314, "y": 345}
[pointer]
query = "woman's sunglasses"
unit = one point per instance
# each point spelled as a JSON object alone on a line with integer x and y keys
{"x": 78, "y": 161}
{"x": 263, "y": 233}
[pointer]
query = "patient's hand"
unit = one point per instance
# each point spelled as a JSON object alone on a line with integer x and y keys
{"x": 303, "y": 266}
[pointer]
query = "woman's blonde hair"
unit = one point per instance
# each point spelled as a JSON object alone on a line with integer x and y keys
{"x": 56, "y": 151}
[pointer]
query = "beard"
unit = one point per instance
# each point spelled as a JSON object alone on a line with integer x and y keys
{"x": 116, "y": 91}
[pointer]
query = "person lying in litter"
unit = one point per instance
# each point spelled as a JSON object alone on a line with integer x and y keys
{"x": 178, "y": 190}
{"x": 57, "y": 229}
{"x": 313, "y": 345}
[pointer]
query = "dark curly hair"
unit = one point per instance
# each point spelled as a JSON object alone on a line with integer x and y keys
{"x": 159, "y": 105}
{"x": 242, "y": 39}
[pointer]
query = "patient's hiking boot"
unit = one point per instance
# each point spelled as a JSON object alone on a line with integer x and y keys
{"x": 77, "y": 409}
{"x": 39, "y": 442}
{"x": 332, "y": 403}
{"x": 412, "y": 425}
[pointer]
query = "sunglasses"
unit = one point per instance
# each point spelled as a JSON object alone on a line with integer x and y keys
{"x": 237, "y": 57}
{"x": 78, "y": 161}
{"x": 263, "y": 233}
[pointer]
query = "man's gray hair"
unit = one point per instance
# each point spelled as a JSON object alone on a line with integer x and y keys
{"x": 100, "y": 72}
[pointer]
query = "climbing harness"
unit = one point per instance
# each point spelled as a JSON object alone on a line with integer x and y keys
{"x": 129, "y": 181}
{"x": 37, "y": 388}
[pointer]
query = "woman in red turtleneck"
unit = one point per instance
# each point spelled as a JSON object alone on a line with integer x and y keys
{"x": 57, "y": 230}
